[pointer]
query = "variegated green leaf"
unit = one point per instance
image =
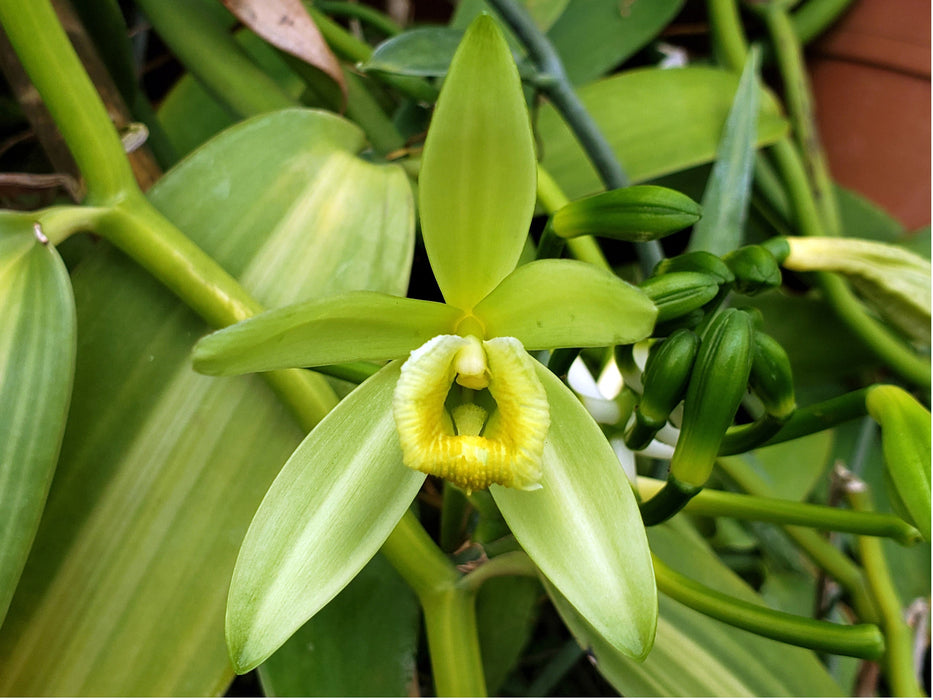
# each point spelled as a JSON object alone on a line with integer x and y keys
{"x": 583, "y": 528}
{"x": 657, "y": 121}
{"x": 37, "y": 355}
{"x": 565, "y": 303}
{"x": 162, "y": 469}
{"x": 329, "y": 510}
{"x": 695, "y": 656}
{"x": 347, "y": 328}
{"x": 477, "y": 182}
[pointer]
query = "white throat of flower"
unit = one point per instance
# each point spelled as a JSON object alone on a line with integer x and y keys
{"x": 472, "y": 412}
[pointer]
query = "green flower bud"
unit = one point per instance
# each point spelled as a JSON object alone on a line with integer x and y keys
{"x": 678, "y": 293}
{"x": 639, "y": 213}
{"x": 755, "y": 269}
{"x": 905, "y": 439}
{"x": 717, "y": 385}
{"x": 667, "y": 373}
{"x": 697, "y": 261}
{"x": 771, "y": 378}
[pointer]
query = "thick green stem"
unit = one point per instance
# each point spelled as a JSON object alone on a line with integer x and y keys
{"x": 863, "y": 641}
{"x": 712, "y": 503}
{"x": 515, "y": 563}
{"x": 555, "y": 84}
{"x": 210, "y": 53}
{"x": 886, "y": 346}
{"x": 364, "y": 13}
{"x": 800, "y": 105}
{"x": 449, "y": 609}
{"x": 128, "y": 220}
{"x": 728, "y": 35}
{"x": 450, "y": 620}
{"x": 804, "y": 421}
{"x": 820, "y": 551}
{"x": 55, "y": 70}
{"x": 898, "y": 658}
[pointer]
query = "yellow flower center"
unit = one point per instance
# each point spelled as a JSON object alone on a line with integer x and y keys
{"x": 472, "y": 412}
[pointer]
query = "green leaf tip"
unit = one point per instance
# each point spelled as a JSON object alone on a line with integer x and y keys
{"x": 478, "y": 173}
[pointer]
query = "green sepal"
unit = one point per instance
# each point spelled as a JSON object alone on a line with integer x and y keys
{"x": 771, "y": 377}
{"x": 905, "y": 438}
{"x": 717, "y": 385}
{"x": 583, "y": 529}
{"x": 667, "y": 373}
{"x": 637, "y": 213}
{"x": 696, "y": 261}
{"x": 566, "y": 303}
{"x": 755, "y": 269}
{"x": 329, "y": 510}
{"x": 37, "y": 360}
{"x": 351, "y": 327}
{"x": 477, "y": 182}
{"x": 676, "y": 294}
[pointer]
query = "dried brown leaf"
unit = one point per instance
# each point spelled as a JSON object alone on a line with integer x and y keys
{"x": 287, "y": 25}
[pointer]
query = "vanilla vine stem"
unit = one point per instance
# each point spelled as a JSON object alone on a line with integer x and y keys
{"x": 553, "y": 81}
{"x": 121, "y": 213}
{"x": 812, "y": 218}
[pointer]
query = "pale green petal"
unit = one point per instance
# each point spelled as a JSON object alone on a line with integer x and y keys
{"x": 583, "y": 528}
{"x": 892, "y": 279}
{"x": 327, "y": 513}
{"x": 477, "y": 183}
{"x": 350, "y": 327}
{"x": 565, "y": 303}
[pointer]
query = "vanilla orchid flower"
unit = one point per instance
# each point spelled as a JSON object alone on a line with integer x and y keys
{"x": 461, "y": 397}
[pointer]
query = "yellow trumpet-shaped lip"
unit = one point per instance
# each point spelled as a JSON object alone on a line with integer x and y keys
{"x": 472, "y": 445}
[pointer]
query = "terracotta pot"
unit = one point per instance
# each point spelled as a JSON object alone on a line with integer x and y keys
{"x": 871, "y": 79}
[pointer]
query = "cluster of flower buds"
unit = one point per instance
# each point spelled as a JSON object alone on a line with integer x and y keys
{"x": 707, "y": 357}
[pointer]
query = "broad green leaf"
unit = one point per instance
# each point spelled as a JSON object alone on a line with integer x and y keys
{"x": 372, "y": 624}
{"x": 594, "y": 36}
{"x": 37, "y": 357}
{"x": 326, "y": 514}
{"x": 583, "y": 528}
{"x": 347, "y": 328}
{"x": 505, "y": 616}
{"x": 477, "y": 182}
{"x": 862, "y": 218}
{"x": 565, "y": 303}
{"x": 905, "y": 435}
{"x": 725, "y": 200}
{"x": 890, "y": 278}
{"x": 190, "y": 115}
{"x": 424, "y": 51}
{"x": 658, "y": 121}
{"x": 162, "y": 469}
{"x": 693, "y": 655}
{"x": 543, "y": 12}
